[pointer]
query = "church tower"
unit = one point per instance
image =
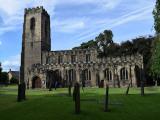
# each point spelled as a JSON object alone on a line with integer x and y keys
{"x": 36, "y": 39}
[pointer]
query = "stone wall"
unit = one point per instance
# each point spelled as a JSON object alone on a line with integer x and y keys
{"x": 97, "y": 68}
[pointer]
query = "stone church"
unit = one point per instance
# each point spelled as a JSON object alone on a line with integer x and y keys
{"x": 41, "y": 67}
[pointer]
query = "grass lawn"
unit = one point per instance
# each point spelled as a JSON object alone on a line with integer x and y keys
{"x": 56, "y": 105}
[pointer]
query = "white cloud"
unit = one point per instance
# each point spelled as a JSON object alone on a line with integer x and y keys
{"x": 12, "y": 62}
{"x": 11, "y": 12}
{"x": 12, "y": 15}
{"x": 110, "y": 4}
{"x": 0, "y": 42}
{"x": 69, "y": 25}
{"x": 70, "y": 28}
{"x": 105, "y": 3}
{"x": 135, "y": 15}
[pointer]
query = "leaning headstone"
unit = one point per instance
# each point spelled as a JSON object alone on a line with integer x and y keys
{"x": 106, "y": 99}
{"x": 76, "y": 97}
{"x": 128, "y": 88}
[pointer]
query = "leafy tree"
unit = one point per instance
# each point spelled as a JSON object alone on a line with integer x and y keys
{"x": 155, "y": 61}
{"x": 104, "y": 40}
{"x": 14, "y": 80}
{"x": 0, "y": 72}
{"x": 143, "y": 46}
{"x": 126, "y": 48}
{"x": 156, "y": 15}
{"x": 85, "y": 45}
{"x": 4, "y": 78}
{"x": 108, "y": 36}
{"x": 0, "y": 68}
{"x": 113, "y": 50}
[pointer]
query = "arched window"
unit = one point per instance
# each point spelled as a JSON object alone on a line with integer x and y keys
{"x": 32, "y": 24}
{"x": 86, "y": 74}
{"x": 108, "y": 74}
{"x": 60, "y": 59}
{"x": 72, "y": 75}
{"x": 124, "y": 74}
{"x": 89, "y": 75}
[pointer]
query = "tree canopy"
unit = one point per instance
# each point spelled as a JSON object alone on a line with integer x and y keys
{"x": 156, "y": 15}
{"x": 155, "y": 60}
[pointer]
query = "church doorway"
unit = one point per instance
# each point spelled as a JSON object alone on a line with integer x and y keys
{"x": 36, "y": 82}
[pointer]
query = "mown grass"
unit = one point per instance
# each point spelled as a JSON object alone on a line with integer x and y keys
{"x": 56, "y": 105}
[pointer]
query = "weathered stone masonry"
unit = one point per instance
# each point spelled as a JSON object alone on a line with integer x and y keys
{"x": 40, "y": 65}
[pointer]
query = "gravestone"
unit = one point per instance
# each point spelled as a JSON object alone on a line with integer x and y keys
{"x": 106, "y": 98}
{"x": 69, "y": 90}
{"x": 76, "y": 97}
{"x": 128, "y": 88}
{"x": 21, "y": 92}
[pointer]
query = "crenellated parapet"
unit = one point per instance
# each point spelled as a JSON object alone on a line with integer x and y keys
{"x": 34, "y": 10}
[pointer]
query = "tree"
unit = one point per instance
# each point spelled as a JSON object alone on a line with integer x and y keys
{"x": 155, "y": 60}
{"x": 156, "y": 15}
{"x": 89, "y": 44}
{"x": 126, "y": 48}
{"x": 104, "y": 40}
{"x": 108, "y": 36}
{"x": 14, "y": 80}
{"x": 4, "y": 78}
{"x": 0, "y": 72}
{"x": 112, "y": 50}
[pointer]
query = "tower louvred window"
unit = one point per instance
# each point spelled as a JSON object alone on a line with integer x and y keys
{"x": 32, "y": 24}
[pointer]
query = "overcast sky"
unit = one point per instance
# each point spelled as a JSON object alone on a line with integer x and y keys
{"x": 74, "y": 22}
